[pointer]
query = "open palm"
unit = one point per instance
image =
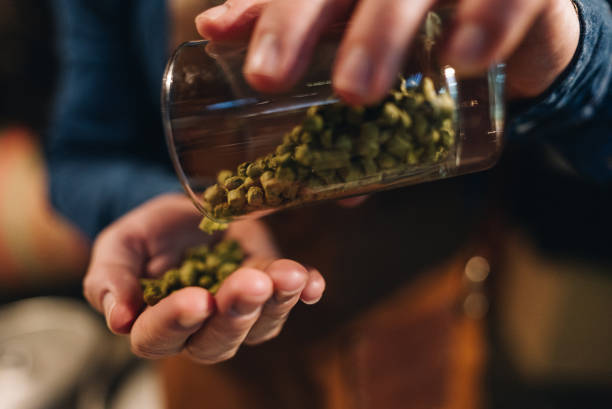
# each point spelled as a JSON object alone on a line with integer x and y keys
{"x": 250, "y": 307}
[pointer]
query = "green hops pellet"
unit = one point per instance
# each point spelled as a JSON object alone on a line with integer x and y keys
{"x": 315, "y": 182}
{"x": 429, "y": 91}
{"x": 267, "y": 175}
{"x": 334, "y": 144}
{"x": 405, "y": 120}
{"x": 153, "y": 294}
{"x": 285, "y": 174}
{"x": 284, "y": 148}
{"x": 254, "y": 170}
{"x": 255, "y": 196}
{"x": 242, "y": 169}
{"x": 369, "y": 166}
{"x": 214, "y": 195}
{"x": 224, "y": 174}
{"x": 197, "y": 253}
{"x": 434, "y": 136}
{"x": 354, "y": 115}
{"x": 225, "y": 270}
{"x": 332, "y": 159}
{"x": 229, "y": 250}
{"x": 214, "y": 288}
{"x": 233, "y": 183}
{"x": 210, "y": 226}
{"x": 306, "y": 137}
{"x": 189, "y": 272}
{"x": 222, "y": 211}
{"x": 206, "y": 281}
{"x": 397, "y": 147}
{"x": 290, "y": 191}
{"x": 351, "y": 173}
{"x": 213, "y": 261}
{"x": 313, "y": 123}
{"x": 412, "y": 158}
{"x": 367, "y": 147}
{"x": 446, "y": 105}
{"x": 294, "y": 136}
{"x": 390, "y": 114}
{"x": 369, "y": 130}
{"x": 344, "y": 143}
{"x": 201, "y": 267}
{"x": 236, "y": 199}
{"x": 448, "y": 138}
{"x": 327, "y": 139}
{"x": 280, "y": 160}
{"x": 272, "y": 190}
{"x": 413, "y": 101}
{"x": 384, "y": 136}
{"x": 171, "y": 280}
{"x": 386, "y": 161}
{"x": 249, "y": 182}
{"x": 329, "y": 176}
{"x": 303, "y": 155}
{"x": 303, "y": 172}
{"x": 421, "y": 126}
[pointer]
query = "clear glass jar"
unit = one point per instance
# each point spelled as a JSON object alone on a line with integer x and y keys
{"x": 239, "y": 152}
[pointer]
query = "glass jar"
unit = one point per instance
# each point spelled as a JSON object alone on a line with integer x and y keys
{"x": 240, "y": 152}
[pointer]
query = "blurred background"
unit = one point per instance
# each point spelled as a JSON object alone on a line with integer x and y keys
{"x": 536, "y": 310}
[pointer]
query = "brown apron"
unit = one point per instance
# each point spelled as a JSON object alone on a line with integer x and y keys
{"x": 389, "y": 332}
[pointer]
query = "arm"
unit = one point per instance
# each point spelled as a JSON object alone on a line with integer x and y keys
{"x": 574, "y": 116}
{"x": 558, "y": 64}
{"x": 105, "y": 148}
{"x": 107, "y": 156}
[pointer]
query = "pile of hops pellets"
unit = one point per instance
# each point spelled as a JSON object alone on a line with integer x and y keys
{"x": 338, "y": 144}
{"x": 202, "y": 267}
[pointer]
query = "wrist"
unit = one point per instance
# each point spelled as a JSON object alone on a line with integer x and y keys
{"x": 546, "y": 52}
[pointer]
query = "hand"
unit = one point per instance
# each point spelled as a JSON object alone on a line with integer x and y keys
{"x": 250, "y": 307}
{"x": 537, "y": 38}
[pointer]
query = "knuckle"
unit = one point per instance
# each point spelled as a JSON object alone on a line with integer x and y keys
{"x": 145, "y": 351}
{"x": 257, "y": 339}
{"x": 205, "y": 357}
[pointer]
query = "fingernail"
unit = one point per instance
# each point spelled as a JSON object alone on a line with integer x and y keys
{"x": 468, "y": 45}
{"x": 245, "y": 308}
{"x": 264, "y": 56}
{"x": 212, "y": 13}
{"x": 108, "y": 303}
{"x": 355, "y": 72}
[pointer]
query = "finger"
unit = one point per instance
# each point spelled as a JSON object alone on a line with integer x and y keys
{"x": 231, "y": 21}
{"x": 163, "y": 329}
{"x": 111, "y": 284}
{"x": 374, "y": 46}
{"x": 314, "y": 288}
{"x": 289, "y": 279}
{"x": 353, "y": 201}
{"x": 239, "y": 303}
{"x": 487, "y": 31}
{"x": 284, "y": 39}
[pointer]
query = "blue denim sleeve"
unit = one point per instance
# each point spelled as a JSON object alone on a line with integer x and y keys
{"x": 105, "y": 149}
{"x": 574, "y": 117}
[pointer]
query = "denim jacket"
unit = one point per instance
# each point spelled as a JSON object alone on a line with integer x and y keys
{"x": 105, "y": 147}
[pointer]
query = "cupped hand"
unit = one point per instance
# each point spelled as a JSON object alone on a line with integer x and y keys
{"x": 537, "y": 38}
{"x": 250, "y": 307}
